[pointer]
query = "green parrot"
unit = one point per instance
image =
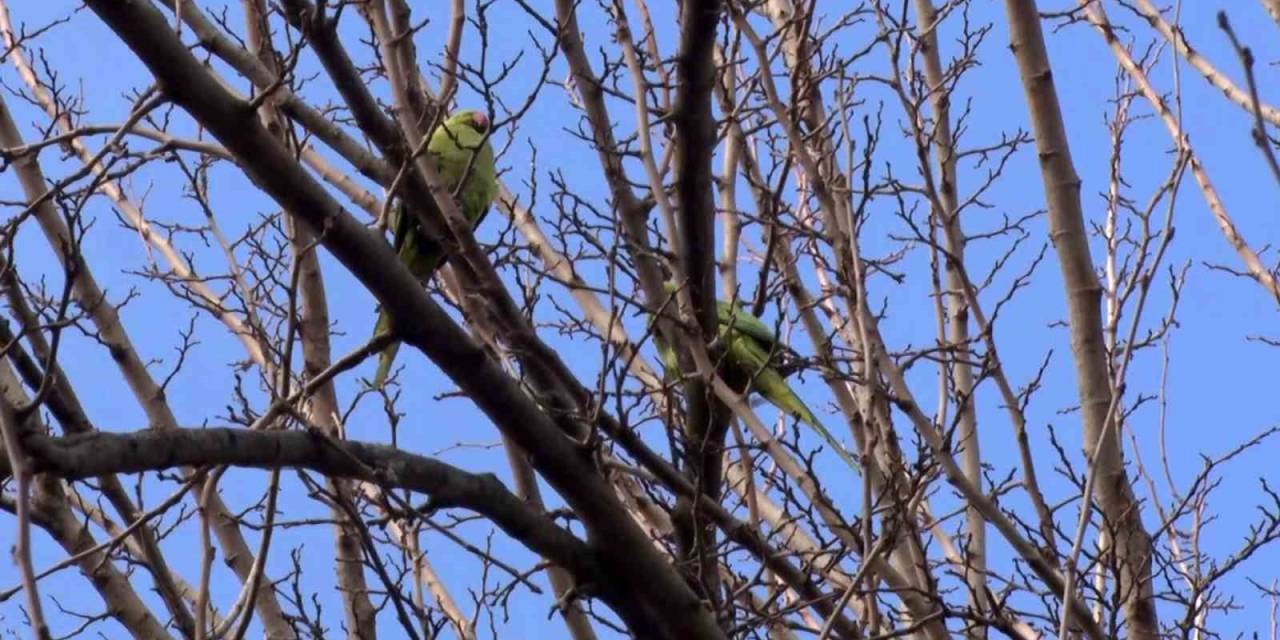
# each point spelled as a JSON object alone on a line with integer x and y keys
{"x": 749, "y": 346}
{"x": 465, "y": 162}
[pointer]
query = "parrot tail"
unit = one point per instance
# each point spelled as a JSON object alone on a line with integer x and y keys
{"x": 807, "y": 415}
{"x": 388, "y": 355}
{"x": 792, "y": 404}
{"x": 772, "y": 387}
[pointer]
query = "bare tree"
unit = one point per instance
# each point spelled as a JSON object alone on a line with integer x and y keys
{"x": 195, "y": 249}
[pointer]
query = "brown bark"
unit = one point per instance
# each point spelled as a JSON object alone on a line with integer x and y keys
{"x": 707, "y": 420}
{"x": 975, "y": 544}
{"x": 1115, "y": 497}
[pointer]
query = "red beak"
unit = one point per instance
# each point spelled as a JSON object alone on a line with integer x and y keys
{"x": 481, "y": 121}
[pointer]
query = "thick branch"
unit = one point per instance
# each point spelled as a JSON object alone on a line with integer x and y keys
{"x": 1093, "y": 378}
{"x": 88, "y": 455}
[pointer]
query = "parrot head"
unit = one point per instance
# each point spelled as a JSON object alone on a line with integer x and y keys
{"x": 469, "y": 118}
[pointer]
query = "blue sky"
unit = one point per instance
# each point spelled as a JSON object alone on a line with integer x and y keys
{"x": 1220, "y": 390}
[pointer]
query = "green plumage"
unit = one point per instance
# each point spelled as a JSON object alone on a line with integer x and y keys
{"x": 749, "y": 347}
{"x": 465, "y": 161}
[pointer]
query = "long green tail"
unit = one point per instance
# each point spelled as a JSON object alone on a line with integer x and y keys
{"x": 422, "y": 266}
{"x": 748, "y": 353}
{"x": 388, "y": 355}
{"x": 422, "y": 263}
{"x": 774, "y": 389}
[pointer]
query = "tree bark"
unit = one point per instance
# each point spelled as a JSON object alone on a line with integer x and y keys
{"x": 1115, "y": 498}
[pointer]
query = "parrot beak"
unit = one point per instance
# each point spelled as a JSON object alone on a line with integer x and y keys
{"x": 480, "y": 121}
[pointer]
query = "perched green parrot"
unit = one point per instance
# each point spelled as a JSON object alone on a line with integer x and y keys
{"x": 749, "y": 346}
{"x": 465, "y": 162}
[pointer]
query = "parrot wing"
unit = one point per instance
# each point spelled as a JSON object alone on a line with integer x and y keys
{"x": 730, "y": 315}
{"x": 748, "y": 355}
{"x": 419, "y": 253}
{"x": 733, "y": 316}
{"x": 784, "y": 358}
